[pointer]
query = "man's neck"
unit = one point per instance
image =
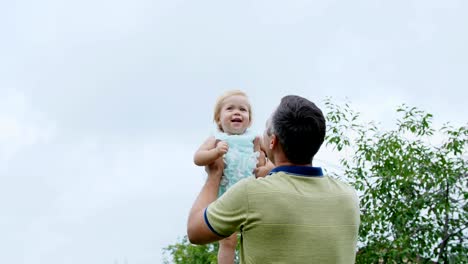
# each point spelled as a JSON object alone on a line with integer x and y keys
{"x": 279, "y": 159}
{"x": 287, "y": 163}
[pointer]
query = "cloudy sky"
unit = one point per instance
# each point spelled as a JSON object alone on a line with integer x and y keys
{"x": 103, "y": 103}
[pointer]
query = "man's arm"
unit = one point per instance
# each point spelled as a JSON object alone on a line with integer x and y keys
{"x": 197, "y": 229}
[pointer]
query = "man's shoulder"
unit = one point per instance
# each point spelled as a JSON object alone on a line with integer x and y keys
{"x": 254, "y": 184}
{"x": 340, "y": 187}
{"x": 339, "y": 182}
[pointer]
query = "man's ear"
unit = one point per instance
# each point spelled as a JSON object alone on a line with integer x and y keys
{"x": 273, "y": 141}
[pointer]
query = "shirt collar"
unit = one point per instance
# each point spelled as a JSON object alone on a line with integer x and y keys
{"x": 307, "y": 171}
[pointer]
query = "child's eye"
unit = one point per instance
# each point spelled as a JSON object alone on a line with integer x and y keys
{"x": 229, "y": 108}
{"x": 243, "y": 109}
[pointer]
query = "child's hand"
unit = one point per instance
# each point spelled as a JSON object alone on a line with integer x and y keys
{"x": 222, "y": 147}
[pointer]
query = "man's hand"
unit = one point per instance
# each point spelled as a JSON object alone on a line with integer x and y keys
{"x": 258, "y": 148}
{"x": 215, "y": 169}
{"x": 264, "y": 166}
{"x": 263, "y": 171}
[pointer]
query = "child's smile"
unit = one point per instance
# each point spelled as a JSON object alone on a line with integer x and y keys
{"x": 234, "y": 118}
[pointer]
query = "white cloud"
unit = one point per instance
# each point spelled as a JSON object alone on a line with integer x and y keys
{"x": 101, "y": 199}
{"x": 21, "y": 125}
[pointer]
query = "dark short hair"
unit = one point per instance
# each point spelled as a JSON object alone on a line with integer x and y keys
{"x": 300, "y": 127}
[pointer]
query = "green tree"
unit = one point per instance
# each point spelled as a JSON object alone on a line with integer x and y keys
{"x": 183, "y": 252}
{"x": 413, "y": 191}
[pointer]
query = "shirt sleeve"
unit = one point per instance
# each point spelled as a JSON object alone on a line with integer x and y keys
{"x": 230, "y": 211}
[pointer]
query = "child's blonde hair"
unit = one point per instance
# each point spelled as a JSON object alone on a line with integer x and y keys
{"x": 219, "y": 105}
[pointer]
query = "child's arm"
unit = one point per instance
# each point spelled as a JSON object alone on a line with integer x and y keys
{"x": 210, "y": 151}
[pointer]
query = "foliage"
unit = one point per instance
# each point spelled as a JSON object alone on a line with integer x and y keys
{"x": 413, "y": 192}
{"x": 185, "y": 253}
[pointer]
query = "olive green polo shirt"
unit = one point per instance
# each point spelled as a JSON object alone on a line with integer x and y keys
{"x": 294, "y": 215}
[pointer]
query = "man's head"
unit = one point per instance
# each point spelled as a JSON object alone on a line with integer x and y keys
{"x": 297, "y": 127}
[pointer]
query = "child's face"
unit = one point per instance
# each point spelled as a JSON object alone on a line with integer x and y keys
{"x": 234, "y": 115}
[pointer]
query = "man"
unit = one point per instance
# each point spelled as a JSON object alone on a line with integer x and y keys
{"x": 295, "y": 214}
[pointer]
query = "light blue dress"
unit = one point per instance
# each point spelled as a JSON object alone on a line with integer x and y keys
{"x": 239, "y": 161}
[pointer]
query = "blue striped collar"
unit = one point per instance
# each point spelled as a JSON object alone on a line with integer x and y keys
{"x": 306, "y": 171}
